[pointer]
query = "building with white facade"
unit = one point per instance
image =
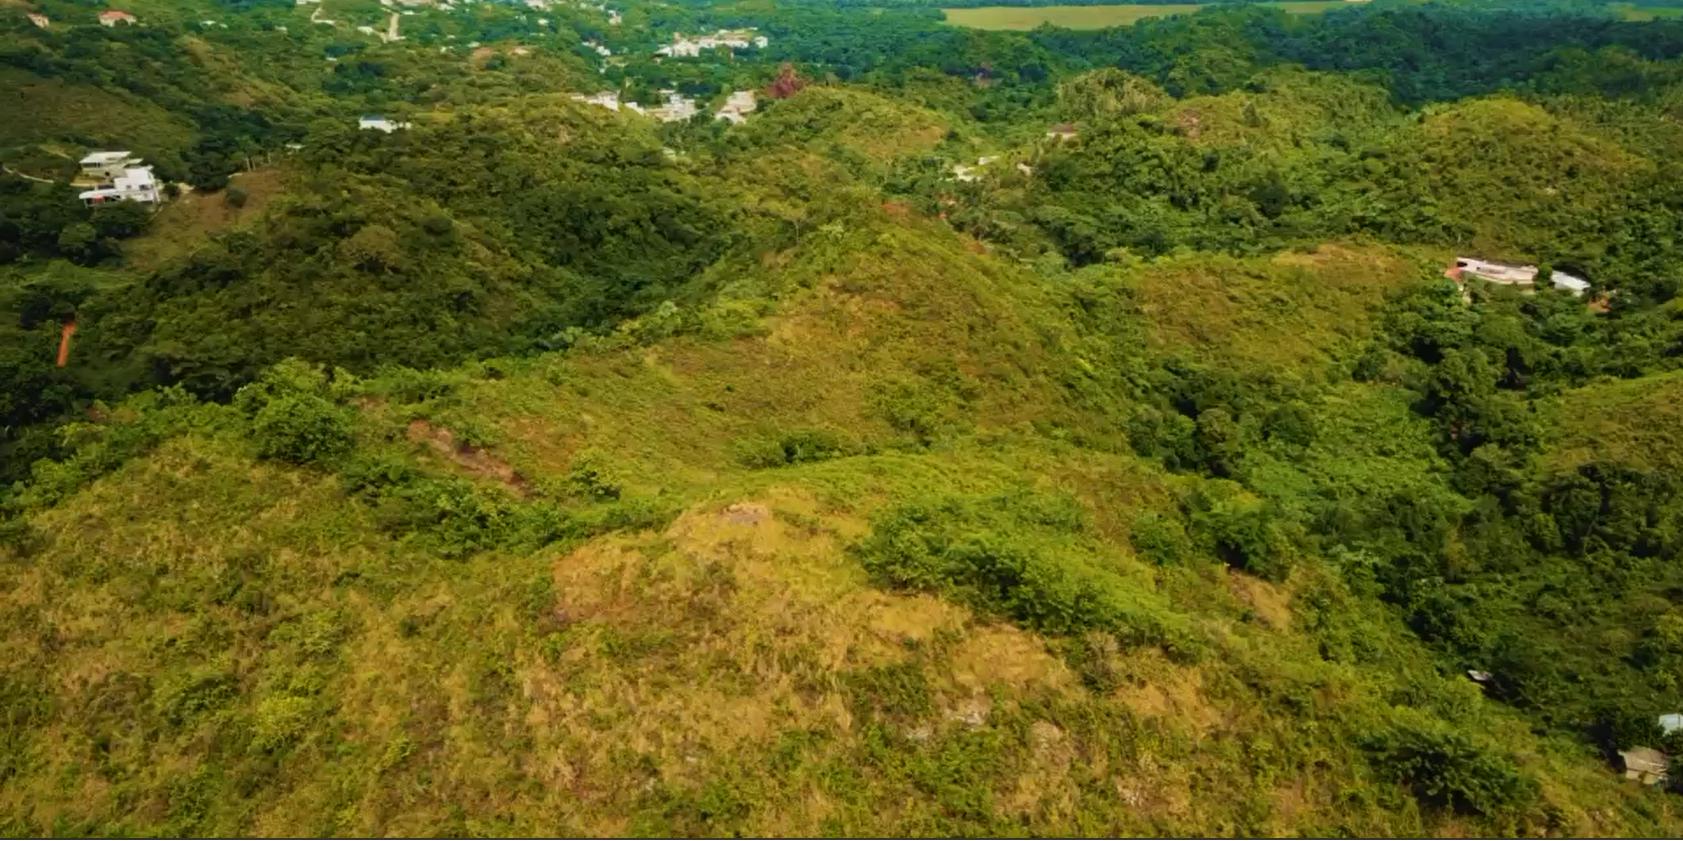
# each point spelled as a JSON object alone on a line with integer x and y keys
{"x": 737, "y": 107}
{"x": 135, "y": 184}
{"x": 375, "y": 122}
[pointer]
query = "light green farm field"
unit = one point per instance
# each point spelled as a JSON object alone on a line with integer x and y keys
{"x": 1095, "y": 17}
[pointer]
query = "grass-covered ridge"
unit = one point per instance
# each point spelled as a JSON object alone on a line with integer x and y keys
{"x": 868, "y": 610}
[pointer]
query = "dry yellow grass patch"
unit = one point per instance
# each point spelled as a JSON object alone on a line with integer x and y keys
{"x": 1283, "y": 312}
{"x": 187, "y": 222}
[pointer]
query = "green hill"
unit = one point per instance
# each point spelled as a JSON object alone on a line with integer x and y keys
{"x": 1006, "y": 433}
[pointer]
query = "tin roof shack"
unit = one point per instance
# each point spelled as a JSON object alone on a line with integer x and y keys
{"x": 1645, "y": 765}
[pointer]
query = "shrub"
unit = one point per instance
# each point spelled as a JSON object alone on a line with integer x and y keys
{"x": 1011, "y": 557}
{"x": 797, "y": 447}
{"x": 591, "y": 479}
{"x": 1245, "y": 532}
{"x": 302, "y": 429}
{"x": 1160, "y": 539}
{"x": 438, "y": 225}
{"x": 1447, "y": 769}
{"x": 279, "y": 723}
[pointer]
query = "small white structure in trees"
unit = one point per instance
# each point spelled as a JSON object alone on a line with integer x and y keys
{"x": 737, "y": 107}
{"x": 676, "y": 109}
{"x": 606, "y": 99}
{"x": 375, "y": 122}
{"x": 1645, "y": 765}
{"x": 1507, "y": 274}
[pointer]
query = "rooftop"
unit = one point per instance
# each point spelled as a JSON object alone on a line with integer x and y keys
{"x": 1644, "y": 759}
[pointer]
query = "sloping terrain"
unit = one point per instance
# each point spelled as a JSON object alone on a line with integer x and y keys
{"x": 840, "y": 572}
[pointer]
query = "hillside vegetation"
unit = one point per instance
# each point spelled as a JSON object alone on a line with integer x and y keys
{"x": 1053, "y": 433}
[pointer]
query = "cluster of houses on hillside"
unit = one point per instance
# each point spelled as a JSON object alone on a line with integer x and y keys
{"x": 108, "y": 18}
{"x": 690, "y": 46}
{"x": 676, "y": 107}
{"x": 117, "y": 176}
{"x": 614, "y": 17}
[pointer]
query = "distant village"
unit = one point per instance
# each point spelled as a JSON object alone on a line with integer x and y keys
{"x": 676, "y": 107}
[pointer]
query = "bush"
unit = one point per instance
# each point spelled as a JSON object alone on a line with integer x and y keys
{"x": 235, "y": 197}
{"x": 798, "y": 447}
{"x": 1447, "y": 769}
{"x": 279, "y": 723}
{"x": 590, "y": 478}
{"x": 302, "y": 429}
{"x": 1246, "y": 533}
{"x": 1160, "y": 539}
{"x": 1011, "y": 557}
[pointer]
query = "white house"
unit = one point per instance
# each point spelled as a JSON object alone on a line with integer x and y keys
{"x": 114, "y": 17}
{"x": 676, "y": 109}
{"x": 737, "y": 107}
{"x": 680, "y": 49}
{"x": 606, "y": 99}
{"x": 968, "y": 174}
{"x": 1062, "y": 132}
{"x": 1505, "y": 274}
{"x": 135, "y": 184}
{"x": 39, "y": 20}
{"x": 104, "y": 167}
{"x": 375, "y": 122}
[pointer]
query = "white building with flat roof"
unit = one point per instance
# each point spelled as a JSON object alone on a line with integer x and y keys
{"x": 135, "y": 184}
{"x": 737, "y": 107}
{"x": 1507, "y": 274}
{"x": 677, "y": 108}
{"x": 107, "y": 166}
{"x": 375, "y": 122}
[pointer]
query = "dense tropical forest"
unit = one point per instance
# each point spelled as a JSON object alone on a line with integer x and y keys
{"x": 577, "y": 418}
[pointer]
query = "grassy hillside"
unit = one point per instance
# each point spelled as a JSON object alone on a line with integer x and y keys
{"x": 1630, "y": 423}
{"x": 542, "y": 469}
{"x": 48, "y": 110}
{"x": 838, "y": 570}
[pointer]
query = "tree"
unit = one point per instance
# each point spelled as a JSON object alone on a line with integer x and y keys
{"x": 121, "y": 220}
{"x": 79, "y": 242}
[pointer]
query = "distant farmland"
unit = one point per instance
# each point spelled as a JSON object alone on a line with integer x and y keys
{"x": 1096, "y": 17}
